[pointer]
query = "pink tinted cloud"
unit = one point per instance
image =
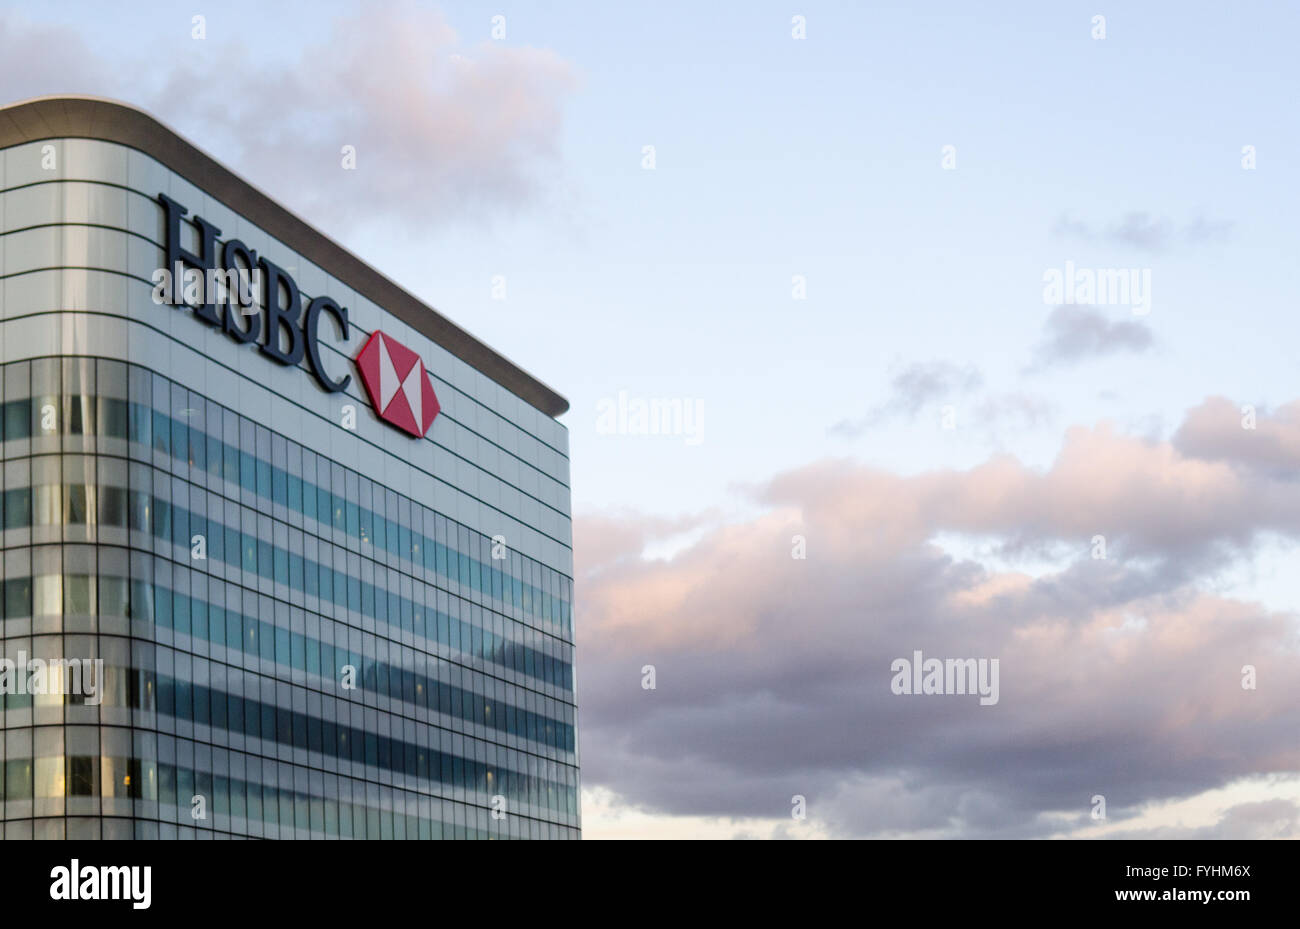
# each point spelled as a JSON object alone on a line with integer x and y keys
{"x": 1119, "y": 676}
{"x": 1219, "y": 430}
{"x": 443, "y": 129}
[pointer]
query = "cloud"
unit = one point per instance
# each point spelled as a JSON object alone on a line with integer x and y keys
{"x": 1262, "y": 819}
{"x": 442, "y": 131}
{"x": 1208, "y": 230}
{"x": 1016, "y": 408}
{"x": 1144, "y": 232}
{"x": 1217, "y": 430}
{"x": 911, "y": 390}
{"x": 623, "y": 538}
{"x": 1067, "y": 226}
{"x": 920, "y": 385}
{"x": 1119, "y": 676}
{"x": 36, "y": 60}
{"x": 1276, "y": 818}
{"x": 1074, "y": 333}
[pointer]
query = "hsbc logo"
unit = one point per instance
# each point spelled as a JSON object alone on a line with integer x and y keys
{"x": 398, "y": 386}
{"x": 219, "y": 275}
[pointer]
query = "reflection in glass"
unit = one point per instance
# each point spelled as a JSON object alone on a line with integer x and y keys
{"x": 48, "y": 595}
{"x": 48, "y": 505}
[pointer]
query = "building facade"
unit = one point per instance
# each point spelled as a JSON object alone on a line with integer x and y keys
{"x": 318, "y": 536}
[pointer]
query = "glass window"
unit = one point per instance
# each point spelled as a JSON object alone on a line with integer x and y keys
{"x": 261, "y": 449}
{"x": 48, "y": 505}
{"x": 294, "y": 494}
{"x": 75, "y": 495}
{"x": 234, "y": 630}
{"x": 195, "y": 414}
{"x": 18, "y": 597}
{"x": 309, "y": 494}
{"x": 181, "y": 603}
{"x": 216, "y": 448}
{"x": 199, "y": 613}
{"x": 82, "y": 773}
{"x": 18, "y": 508}
{"x": 282, "y": 650}
{"x": 112, "y": 506}
{"x": 17, "y": 421}
{"x": 141, "y": 510}
{"x": 113, "y": 418}
{"x": 114, "y": 596}
{"x": 162, "y": 432}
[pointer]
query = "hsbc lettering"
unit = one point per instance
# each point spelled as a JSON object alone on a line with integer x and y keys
{"x": 282, "y": 331}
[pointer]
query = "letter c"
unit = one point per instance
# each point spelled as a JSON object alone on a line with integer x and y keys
{"x": 310, "y": 323}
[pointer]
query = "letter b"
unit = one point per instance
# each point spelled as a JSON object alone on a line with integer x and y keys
{"x": 281, "y": 320}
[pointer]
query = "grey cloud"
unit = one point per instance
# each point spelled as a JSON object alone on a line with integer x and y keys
{"x": 1141, "y": 230}
{"x": 1068, "y": 227}
{"x": 1016, "y": 408}
{"x": 911, "y": 389}
{"x": 36, "y": 60}
{"x": 1208, "y": 230}
{"x": 1073, "y": 333}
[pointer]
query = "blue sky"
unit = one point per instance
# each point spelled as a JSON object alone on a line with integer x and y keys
{"x": 821, "y": 157}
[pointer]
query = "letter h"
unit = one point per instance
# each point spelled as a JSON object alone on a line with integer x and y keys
{"x": 205, "y": 262}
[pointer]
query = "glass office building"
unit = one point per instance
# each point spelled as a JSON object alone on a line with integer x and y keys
{"x": 312, "y": 624}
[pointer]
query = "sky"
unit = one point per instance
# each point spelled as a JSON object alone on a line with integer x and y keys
{"x": 825, "y": 234}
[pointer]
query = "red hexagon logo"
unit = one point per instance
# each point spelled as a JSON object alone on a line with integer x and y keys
{"x": 399, "y": 388}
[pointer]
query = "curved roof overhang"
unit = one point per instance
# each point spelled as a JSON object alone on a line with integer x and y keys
{"x": 112, "y": 121}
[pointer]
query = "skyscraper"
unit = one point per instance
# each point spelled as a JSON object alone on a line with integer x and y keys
{"x": 318, "y": 535}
